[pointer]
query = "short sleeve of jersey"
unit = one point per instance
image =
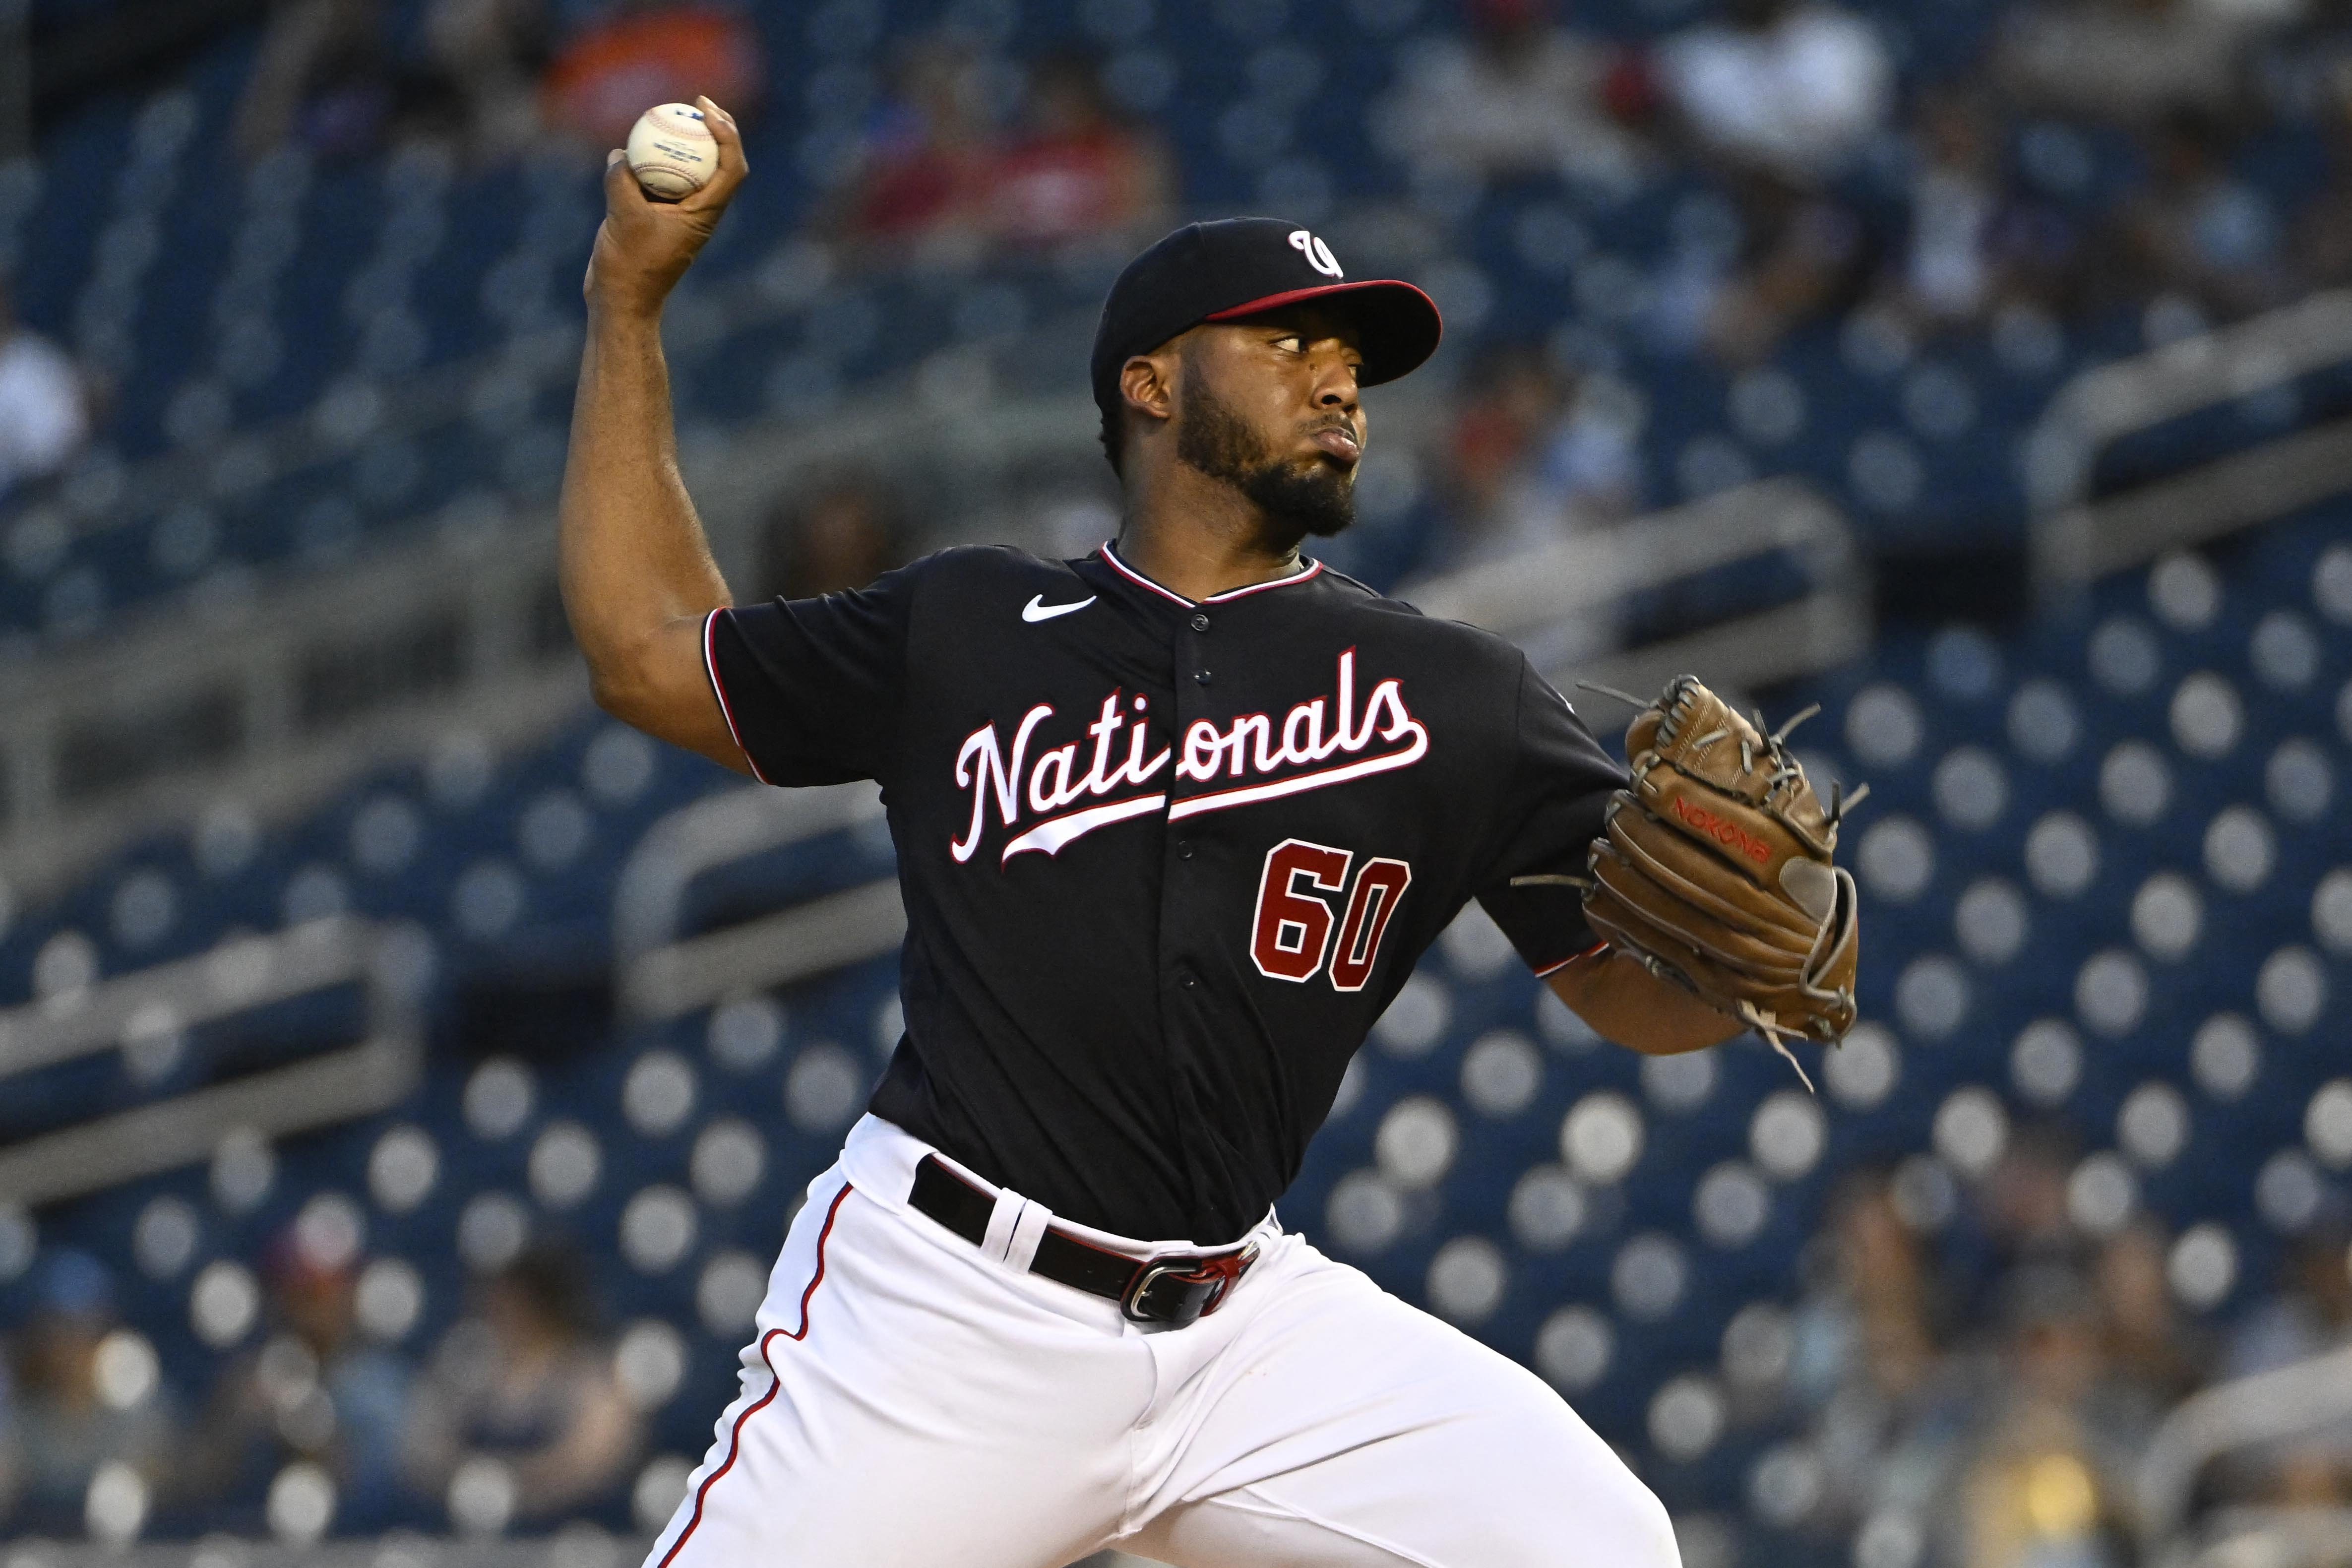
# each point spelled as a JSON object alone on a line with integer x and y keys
{"x": 811, "y": 688}
{"x": 1551, "y": 813}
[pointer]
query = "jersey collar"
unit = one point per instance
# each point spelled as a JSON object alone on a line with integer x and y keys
{"x": 1313, "y": 569}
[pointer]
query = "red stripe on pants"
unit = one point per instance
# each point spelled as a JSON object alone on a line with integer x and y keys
{"x": 735, "y": 1434}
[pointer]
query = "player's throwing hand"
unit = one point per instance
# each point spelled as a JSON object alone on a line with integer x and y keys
{"x": 644, "y": 244}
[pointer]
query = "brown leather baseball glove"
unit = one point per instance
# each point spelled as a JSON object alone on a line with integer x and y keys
{"x": 1715, "y": 870}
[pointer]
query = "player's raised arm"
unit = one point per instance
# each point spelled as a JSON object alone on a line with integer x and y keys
{"x": 638, "y": 576}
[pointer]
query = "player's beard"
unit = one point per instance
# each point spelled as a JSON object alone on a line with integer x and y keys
{"x": 1313, "y": 496}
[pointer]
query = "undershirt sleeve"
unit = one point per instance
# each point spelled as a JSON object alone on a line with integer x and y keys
{"x": 811, "y": 688}
{"x": 1552, "y": 809}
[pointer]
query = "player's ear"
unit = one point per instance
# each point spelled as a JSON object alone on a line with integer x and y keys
{"x": 1148, "y": 383}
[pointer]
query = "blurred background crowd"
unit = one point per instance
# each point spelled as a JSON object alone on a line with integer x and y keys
{"x": 1984, "y": 196}
{"x": 293, "y": 289}
{"x": 1988, "y": 1378}
{"x": 525, "y": 1382}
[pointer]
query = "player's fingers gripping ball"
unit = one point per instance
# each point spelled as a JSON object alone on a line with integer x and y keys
{"x": 1715, "y": 870}
{"x": 672, "y": 151}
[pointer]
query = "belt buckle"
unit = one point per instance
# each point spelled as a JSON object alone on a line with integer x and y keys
{"x": 1205, "y": 1282}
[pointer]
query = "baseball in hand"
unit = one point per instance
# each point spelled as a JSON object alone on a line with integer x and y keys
{"x": 671, "y": 152}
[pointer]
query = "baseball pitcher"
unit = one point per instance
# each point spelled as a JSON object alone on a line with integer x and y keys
{"x": 1174, "y": 821}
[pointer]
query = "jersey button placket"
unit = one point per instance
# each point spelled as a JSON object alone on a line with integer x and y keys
{"x": 1178, "y": 892}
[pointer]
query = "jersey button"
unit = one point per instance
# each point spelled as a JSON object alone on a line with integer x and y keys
{"x": 1200, "y": 623}
{"x": 1183, "y": 850}
{"x": 1201, "y": 675}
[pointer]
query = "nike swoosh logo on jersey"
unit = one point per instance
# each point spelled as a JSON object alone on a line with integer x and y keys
{"x": 1036, "y": 609}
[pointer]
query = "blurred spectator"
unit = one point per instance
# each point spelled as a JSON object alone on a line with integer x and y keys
{"x": 1532, "y": 461}
{"x": 640, "y": 53}
{"x": 2126, "y": 62}
{"x": 842, "y": 535}
{"x": 44, "y": 403}
{"x": 1519, "y": 95}
{"x": 1510, "y": 401}
{"x": 489, "y": 55}
{"x": 1885, "y": 1410}
{"x": 1784, "y": 86}
{"x": 2310, "y": 1316}
{"x": 324, "y": 79}
{"x": 2147, "y": 1344}
{"x": 314, "y": 1391}
{"x": 11, "y": 1465}
{"x": 2197, "y": 230}
{"x": 2049, "y": 1478}
{"x": 1974, "y": 244}
{"x": 913, "y": 186}
{"x": 1801, "y": 253}
{"x": 329, "y": 79}
{"x": 2323, "y": 236}
{"x": 1075, "y": 172}
{"x": 1780, "y": 96}
{"x": 522, "y": 1402}
{"x": 1947, "y": 271}
{"x": 87, "y": 1397}
{"x": 2022, "y": 1204}
{"x": 1869, "y": 1308}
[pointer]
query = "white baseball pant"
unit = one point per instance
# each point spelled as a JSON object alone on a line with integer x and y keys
{"x": 913, "y": 1401}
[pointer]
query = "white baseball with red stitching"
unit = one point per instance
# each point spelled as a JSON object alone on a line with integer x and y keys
{"x": 671, "y": 152}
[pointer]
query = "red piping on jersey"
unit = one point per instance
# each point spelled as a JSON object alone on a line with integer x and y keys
{"x": 719, "y": 690}
{"x": 735, "y": 1434}
{"x": 1133, "y": 574}
{"x": 1313, "y": 569}
{"x": 1555, "y": 968}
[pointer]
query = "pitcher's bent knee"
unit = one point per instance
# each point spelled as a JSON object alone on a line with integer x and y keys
{"x": 1625, "y": 1526}
{"x": 1574, "y": 1503}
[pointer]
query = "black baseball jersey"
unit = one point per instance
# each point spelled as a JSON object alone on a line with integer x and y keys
{"x": 1164, "y": 862}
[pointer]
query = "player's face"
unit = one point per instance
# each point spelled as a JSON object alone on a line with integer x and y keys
{"x": 1270, "y": 405}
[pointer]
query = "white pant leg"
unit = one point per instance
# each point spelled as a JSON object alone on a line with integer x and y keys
{"x": 1335, "y": 1426}
{"x": 1239, "y": 1530}
{"x": 907, "y": 1403}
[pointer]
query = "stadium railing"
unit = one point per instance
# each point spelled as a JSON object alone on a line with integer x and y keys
{"x": 2272, "y": 1537}
{"x": 2297, "y": 1400}
{"x": 1736, "y": 636}
{"x": 324, "y": 1082}
{"x": 663, "y": 975}
{"x": 282, "y": 702}
{"x": 2080, "y": 534}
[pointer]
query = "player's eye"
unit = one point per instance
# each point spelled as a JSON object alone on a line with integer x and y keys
{"x": 1289, "y": 343}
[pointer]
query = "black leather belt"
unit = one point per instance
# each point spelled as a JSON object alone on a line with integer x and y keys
{"x": 1175, "y": 1288}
